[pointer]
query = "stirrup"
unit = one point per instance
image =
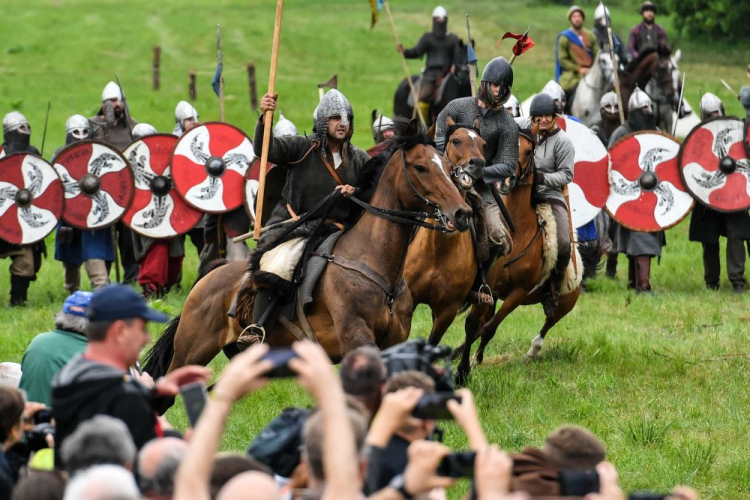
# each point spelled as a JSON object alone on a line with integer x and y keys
{"x": 252, "y": 334}
{"x": 488, "y": 292}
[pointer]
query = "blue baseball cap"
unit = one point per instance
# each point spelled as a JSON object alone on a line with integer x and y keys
{"x": 77, "y": 304}
{"x": 113, "y": 302}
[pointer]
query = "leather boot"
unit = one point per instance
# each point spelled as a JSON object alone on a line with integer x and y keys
{"x": 631, "y": 273}
{"x": 611, "y": 271}
{"x": 643, "y": 274}
{"x": 551, "y": 299}
{"x": 150, "y": 291}
{"x": 19, "y": 287}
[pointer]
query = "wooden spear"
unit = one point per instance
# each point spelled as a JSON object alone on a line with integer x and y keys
{"x": 267, "y": 121}
{"x": 403, "y": 63}
{"x": 472, "y": 65}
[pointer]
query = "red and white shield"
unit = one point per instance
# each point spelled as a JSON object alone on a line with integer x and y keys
{"x": 646, "y": 191}
{"x": 715, "y": 165}
{"x": 98, "y": 184}
{"x": 209, "y": 166}
{"x": 251, "y": 187}
{"x": 589, "y": 189}
{"x": 31, "y": 199}
{"x": 157, "y": 210}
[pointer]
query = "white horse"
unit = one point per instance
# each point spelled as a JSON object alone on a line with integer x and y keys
{"x": 591, "y": 88}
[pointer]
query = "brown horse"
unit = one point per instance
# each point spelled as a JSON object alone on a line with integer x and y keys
{"x": 350, "y": 307}
{"x": 440, "y": 267}
{"x": 516, "y": 277}
{"x": 653, "y": 65}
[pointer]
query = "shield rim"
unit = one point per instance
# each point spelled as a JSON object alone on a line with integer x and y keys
{"x": 129, "y": 172}
{"x": 137, "y": 231}
{"x": 682, "y": 174}
{"x": 609, "y": 168}
{"x": 678, "y": 221}
{"x": 171, "y": 163}
{"x": 62, "y": 205}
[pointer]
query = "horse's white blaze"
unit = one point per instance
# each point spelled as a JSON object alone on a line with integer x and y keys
{"x": 472, "y": 134}
{"x": 436, "y": 160}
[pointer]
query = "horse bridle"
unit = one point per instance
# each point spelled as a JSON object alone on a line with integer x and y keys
{"x": 458, "y": 172}
{"x": 410, "y": 217}
{"x": 521, "y": 180}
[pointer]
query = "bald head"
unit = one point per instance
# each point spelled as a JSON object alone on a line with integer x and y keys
{"x": 262, "y": 486}
{"x": 157, "y": 465}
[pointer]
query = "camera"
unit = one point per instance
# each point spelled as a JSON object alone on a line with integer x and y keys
{"x": 435, "y": 406}
{"x": 418, "y": 355}
{"x": 578, "y": 483}
{"x": 36, "y": 438}
{"x": 280, "y": 359}
{"x": 457, "y": 465}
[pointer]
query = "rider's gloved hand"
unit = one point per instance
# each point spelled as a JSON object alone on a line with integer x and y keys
{"x": 497, "y": 172}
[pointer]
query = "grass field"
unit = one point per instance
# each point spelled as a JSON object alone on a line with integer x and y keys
{"x": 663, "y": 380}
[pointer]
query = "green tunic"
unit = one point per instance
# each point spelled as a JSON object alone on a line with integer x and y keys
{"x": 46, "y": 355}
{"x": 570, "y": 75}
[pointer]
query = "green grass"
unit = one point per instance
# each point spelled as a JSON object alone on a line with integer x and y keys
{"x": 663, "y": 380}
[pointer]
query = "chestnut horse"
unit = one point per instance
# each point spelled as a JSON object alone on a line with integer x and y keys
{"x": 350, "y": 307}
{"x": 440, "y": 267}
{"x": 516, "y": 277}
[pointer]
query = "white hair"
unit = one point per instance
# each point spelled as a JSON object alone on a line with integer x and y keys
{"x": 103, "y": 482}
{"x": 10, "y": 374}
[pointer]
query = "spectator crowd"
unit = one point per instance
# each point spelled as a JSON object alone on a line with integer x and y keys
{"x": 79, "y": 421}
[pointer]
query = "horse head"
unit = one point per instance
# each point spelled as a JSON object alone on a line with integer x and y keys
{"x": 606, "y": 68}
{"x": 524, "y": 173}
{"x": 422, "y": 182}
{"x": 464, "y": 151}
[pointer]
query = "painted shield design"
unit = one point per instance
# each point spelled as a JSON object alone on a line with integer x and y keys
{"x": 31, "y": 199}
{"x": 157, "y": 210}
{"x": 251, "y": 189}
{"x": 98, "y": 184}
{"x": 209, "y": 166}
{"x": 590, "y": 187}
{"x": 715, "y": 166}
{"x": 646, "y": 191}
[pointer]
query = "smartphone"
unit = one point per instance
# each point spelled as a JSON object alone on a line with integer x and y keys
{"x": 457, "y": 465}
{"x": 42, "y": 416}
{"x": 578, "y": 483}
{"x": 280, "y": 359}
{"x": 194, "y": 398}
{"x": 435, "y": 406}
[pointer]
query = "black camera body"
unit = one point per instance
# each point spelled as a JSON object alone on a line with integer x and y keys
{"x": 36, "y": 438}
{"x": 420, "y": 356}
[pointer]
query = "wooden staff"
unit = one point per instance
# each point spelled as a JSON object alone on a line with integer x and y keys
{"x": 157, "y": 63}
{"x": 253, "y": 86}
{"x": 615, "y": 64}
{"x": 472, "y": 65}
{"x": 221, "y": 74}
{"x": 267, "y": 121}
{"x": 191, "y": 85}
{"x": 403, "y": 63}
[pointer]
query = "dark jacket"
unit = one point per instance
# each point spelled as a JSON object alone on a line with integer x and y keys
{"x": 86, "y": 388}
{"x": 441, "y": 52}
{"x": 118, "y": 135}
{"x": 643, "y": 38}
{"x": 707, "y": 225}
{"x": 309, "y": 180}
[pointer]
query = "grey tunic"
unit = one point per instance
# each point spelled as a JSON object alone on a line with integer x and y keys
{"x": 554, "y": 157}
{"x": 634, "y": 243}
{"x": 498, "y": 130}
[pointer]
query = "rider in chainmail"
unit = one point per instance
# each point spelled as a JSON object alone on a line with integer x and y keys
{"x": 500, "y": 133}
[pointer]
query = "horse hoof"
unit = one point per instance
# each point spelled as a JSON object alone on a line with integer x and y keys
{"x": 457, "y": 352}
{"x": 478, "y": 358}
{"x": 461, "y": 378}
{"x": 536, "y": 347}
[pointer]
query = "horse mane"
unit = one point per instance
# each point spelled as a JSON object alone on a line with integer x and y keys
{"x": 638, "y": 60}
{"x": 369, "y": 176}
{"x": 452, "y": 129}
{"x": 527, "y": 133}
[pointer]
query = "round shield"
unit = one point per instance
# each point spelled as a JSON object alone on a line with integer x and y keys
{"x": 157, "y": 210}
{"x": 646, "y": 191}
{"x": 209, "y": 165}
{"x": 2, "y": 152}
{"x": 251, "y": 188}
{"x": 98, "y": 184}
{"x": 590, "y": 186}
{"x": 715, "y": 166}
{"x": 31, "y": 199}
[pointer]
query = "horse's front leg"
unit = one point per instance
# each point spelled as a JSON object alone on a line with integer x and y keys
{"x": 488, "y": 330}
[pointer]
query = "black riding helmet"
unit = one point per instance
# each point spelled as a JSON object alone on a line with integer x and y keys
{"x": 541, "y": 105}
{"x": 498, "y": 71}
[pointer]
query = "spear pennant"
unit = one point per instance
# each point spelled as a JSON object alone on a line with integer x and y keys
{"x": 267, "y": 122}
{"x": 523, "y": 43}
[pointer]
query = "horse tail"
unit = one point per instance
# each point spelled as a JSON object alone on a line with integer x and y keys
{"x": 160, "y": 356}
{"x": 214, "y": 264}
